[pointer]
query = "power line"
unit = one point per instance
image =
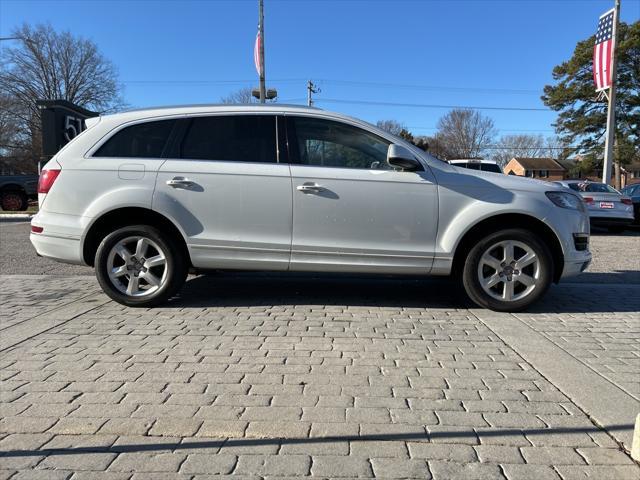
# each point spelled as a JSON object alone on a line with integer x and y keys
{"x": 414, "y": 127}
{"x": 206, "y": 82}
{"x": 432, "y": 87}
{"x": 425, "y": 105}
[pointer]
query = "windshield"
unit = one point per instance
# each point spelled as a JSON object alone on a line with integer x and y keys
{"x": 599, "y": 188}
{"x": 592, "y": 187}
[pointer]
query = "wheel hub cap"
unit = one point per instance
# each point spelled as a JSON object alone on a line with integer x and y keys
{"x": 509, "y": 270}
{"x": 137, "y": 266}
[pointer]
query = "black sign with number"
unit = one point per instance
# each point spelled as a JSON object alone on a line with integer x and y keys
{"x": 61, "y": 122}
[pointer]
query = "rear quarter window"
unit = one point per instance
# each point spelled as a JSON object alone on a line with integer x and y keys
{"x": 143, "y": 140}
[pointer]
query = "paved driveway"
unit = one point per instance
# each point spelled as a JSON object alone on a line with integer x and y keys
{"x": 274, "y": 376}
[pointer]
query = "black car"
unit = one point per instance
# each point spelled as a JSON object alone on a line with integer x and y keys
{"x": 633, "y": 191}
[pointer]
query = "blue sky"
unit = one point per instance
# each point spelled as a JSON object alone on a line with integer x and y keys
{"x": 493, "y": 53}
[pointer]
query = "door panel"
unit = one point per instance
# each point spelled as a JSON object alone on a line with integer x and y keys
{"x": 367, "y": 218}
{"x": 363, "y": 220}
{"x": 235, "y": 214}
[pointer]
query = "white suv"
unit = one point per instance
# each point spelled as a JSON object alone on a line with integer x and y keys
{"x": 146, "y": 196}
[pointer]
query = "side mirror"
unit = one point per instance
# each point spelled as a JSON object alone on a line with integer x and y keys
{"x": 401, "y": 157}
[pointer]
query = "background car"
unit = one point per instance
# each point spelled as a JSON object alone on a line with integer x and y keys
{"x": 475, "y": 164}
{"x": 16, "y": 191}
{"x": 607, "y": 207}
{"x": 633, "y": 191}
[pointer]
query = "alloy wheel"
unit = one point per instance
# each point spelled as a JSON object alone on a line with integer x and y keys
{"x": 137, "y": 266}
{"x": 509, "y": 270}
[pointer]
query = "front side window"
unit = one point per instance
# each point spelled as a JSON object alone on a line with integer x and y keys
{"x": 143, "y": 140}
{"x": 241, "y": 138}
{"x": 327, "y": 143}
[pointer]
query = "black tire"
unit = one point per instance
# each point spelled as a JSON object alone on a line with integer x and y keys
{"x": 616, "y": 229}
{"x": 14, "y": 201}
{"x": 176, "y": 265}
{"x": 470, "y": 274}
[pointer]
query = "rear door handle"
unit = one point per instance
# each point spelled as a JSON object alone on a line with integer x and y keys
{"x": 310, "y": 188}
{"x": 179, "y": 182}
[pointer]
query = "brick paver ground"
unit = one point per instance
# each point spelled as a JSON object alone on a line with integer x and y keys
{"x": 607, "y": 342}
{"x": 274, "y": 376}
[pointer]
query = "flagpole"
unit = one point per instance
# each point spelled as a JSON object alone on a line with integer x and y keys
{"x": 611, "y": 110}
{"x": 263, "y": 93}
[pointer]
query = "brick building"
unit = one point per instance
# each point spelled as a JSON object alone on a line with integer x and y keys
{"x": 542, "y": 168}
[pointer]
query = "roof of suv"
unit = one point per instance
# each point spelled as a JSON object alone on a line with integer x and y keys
{"x": 225, "y": 106}
{"x": 211, "y": 108}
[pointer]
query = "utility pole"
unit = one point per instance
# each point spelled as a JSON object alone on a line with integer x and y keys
{"x": 263, "y": 92}
{"x": 311, "y": 88}
{"x": 611, "y": 110}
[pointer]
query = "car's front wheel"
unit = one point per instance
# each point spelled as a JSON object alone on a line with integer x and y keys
{"x": 508, "y": 270}
{"x": 139, "y": 266}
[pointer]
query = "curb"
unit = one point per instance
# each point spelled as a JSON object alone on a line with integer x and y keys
{"x": 17, "y": 217}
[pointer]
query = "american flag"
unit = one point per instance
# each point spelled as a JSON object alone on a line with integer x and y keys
{"x": 603, "y": 51}
{"x": 256, "y": 54}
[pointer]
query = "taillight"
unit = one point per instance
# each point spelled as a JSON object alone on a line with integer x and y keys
{"x": 36, "y": 229}
{"x": 588, "y": 200}
{"x": 627, "y": 201}
{"x": 45, "y": 182}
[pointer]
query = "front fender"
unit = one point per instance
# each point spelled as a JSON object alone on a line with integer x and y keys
{"x": 460, "y": 213}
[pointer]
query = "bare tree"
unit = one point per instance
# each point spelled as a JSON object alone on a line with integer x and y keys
{"x": 10, "y": 128}
{"x": 242, "y": 95}
{"x": 556, "y": 148}
{"x": 48, "y": 65}
{"x": 465, "y": 133}
{"x": 435, "y": 146}
{"x": 510, "y": 146}
{"x": 392, "y": 126}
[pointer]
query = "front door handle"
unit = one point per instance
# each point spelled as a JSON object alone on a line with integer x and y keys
{"x": 179, "y": 182}
{"x": 310, "y": 188}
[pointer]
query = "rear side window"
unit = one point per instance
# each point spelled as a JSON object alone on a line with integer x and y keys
{"x": 490, "y": 167}
{"x": 143, "y": 140}
{"x": 241, "y": 138}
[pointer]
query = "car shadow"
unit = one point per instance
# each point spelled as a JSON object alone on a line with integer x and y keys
{"x": 627, "y": 277}
{"x": 249, "y": 289}
{"x": 220, "y": 444}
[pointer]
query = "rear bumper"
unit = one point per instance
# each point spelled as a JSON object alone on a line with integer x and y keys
{"x": 61, "y": 238}
{"x": 64, "y": 250}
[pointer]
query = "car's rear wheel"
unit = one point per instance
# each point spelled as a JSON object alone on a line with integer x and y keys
{"x": 14, "y": 201}
{"x": 508, "y": 270}
{"x": 139, "y": 266}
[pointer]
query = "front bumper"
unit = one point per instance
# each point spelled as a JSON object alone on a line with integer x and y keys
{"x": 571, "y": 227}
{"x": 576, "y": 264}
{"x": 610, "y": 221}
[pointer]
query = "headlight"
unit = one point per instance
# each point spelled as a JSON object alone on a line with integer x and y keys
{"x": 566, "y": 200}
